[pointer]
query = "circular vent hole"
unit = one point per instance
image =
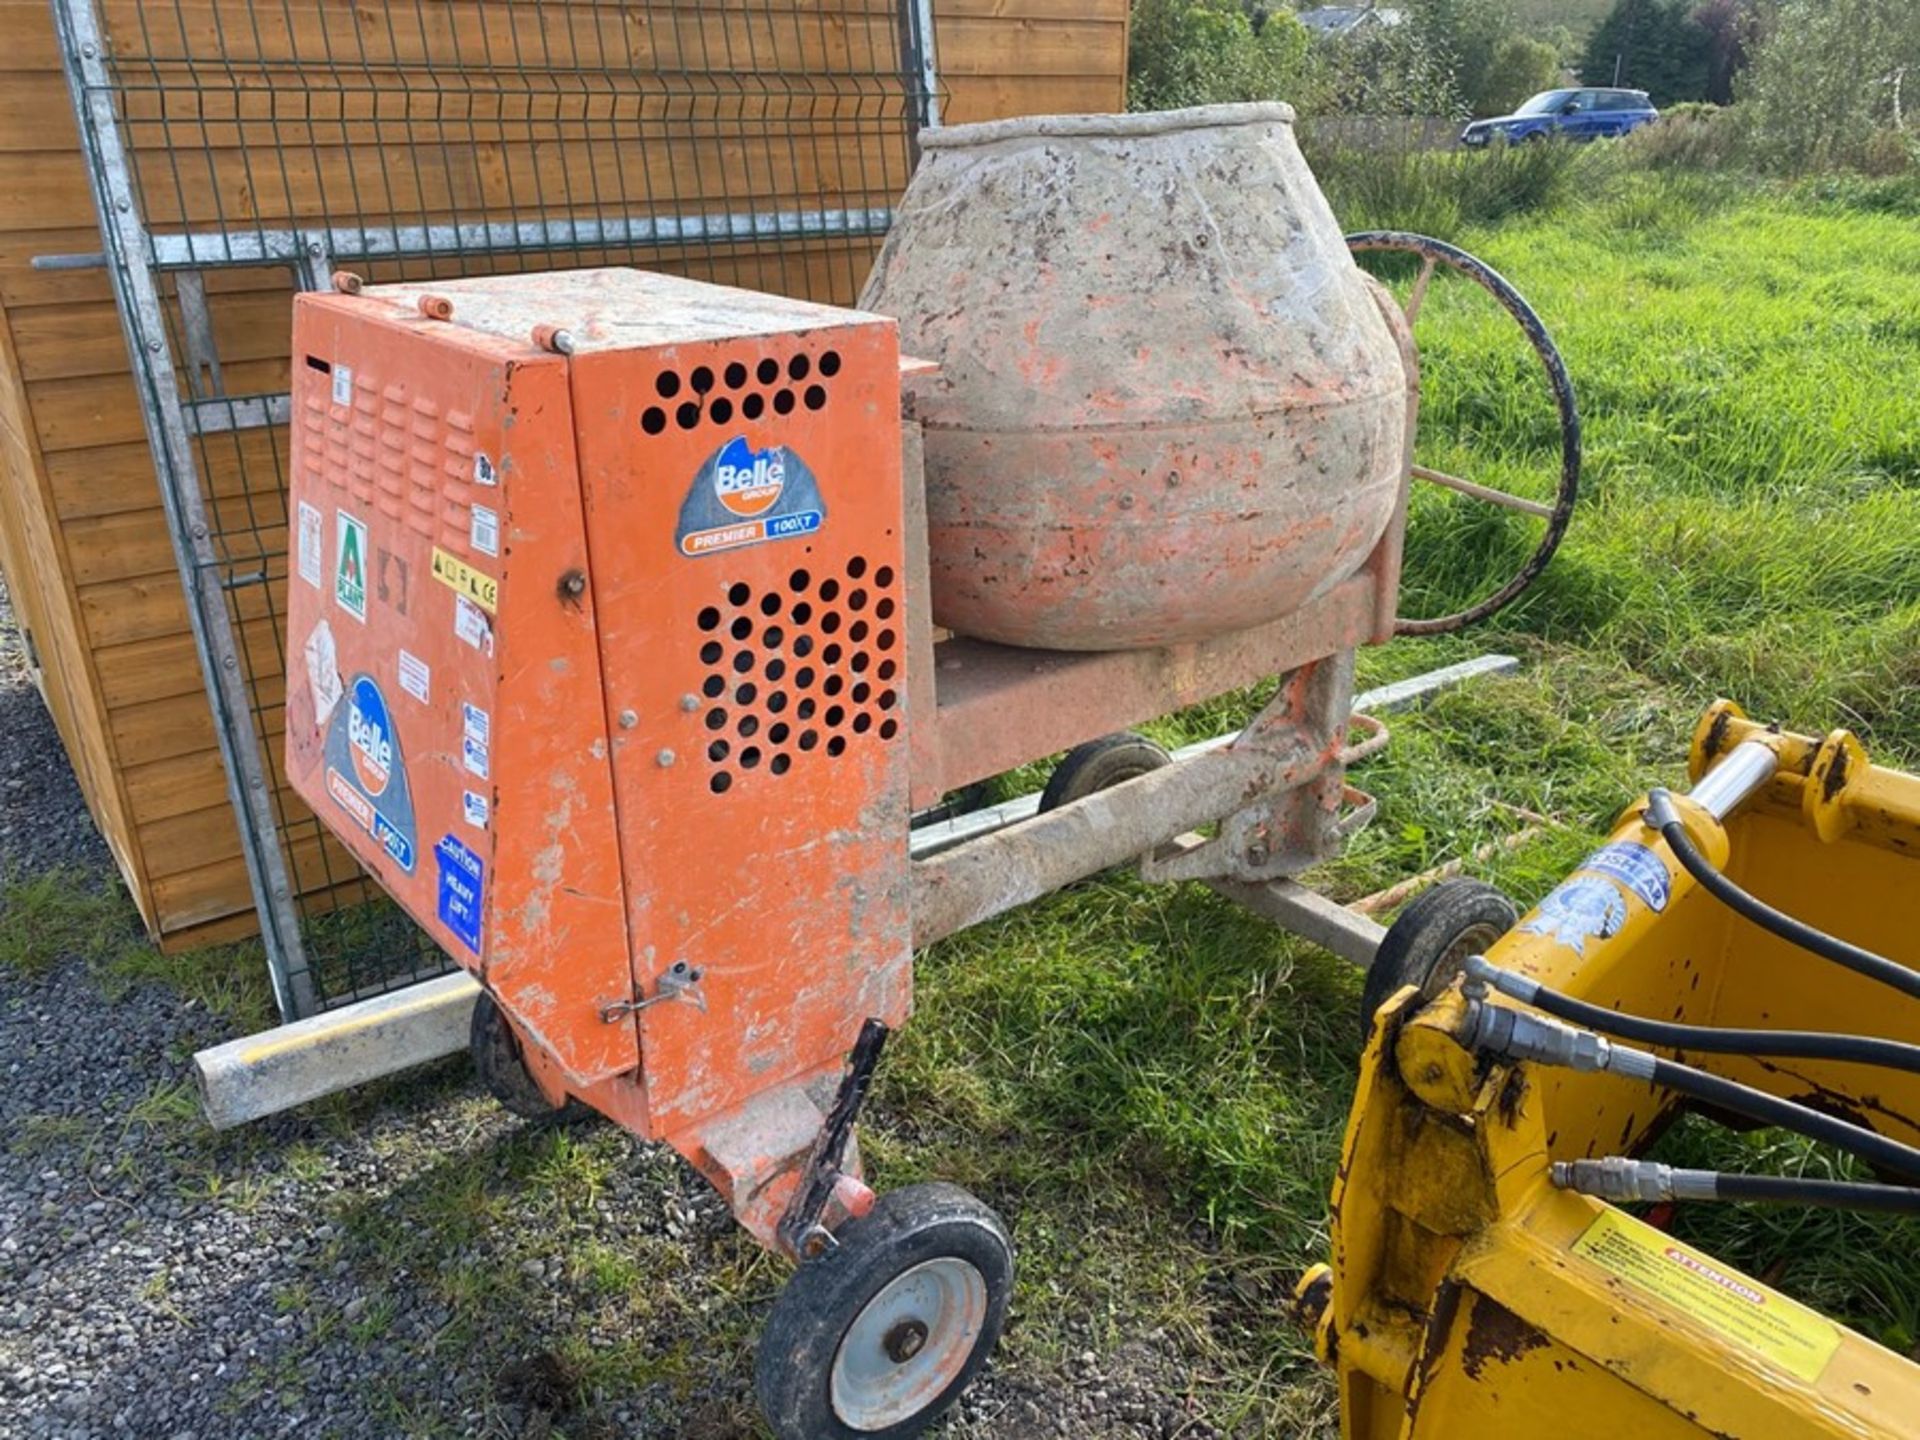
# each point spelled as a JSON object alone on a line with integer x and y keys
{"x": 666, "y": 384}
{"x": 836, "y": 744}
{"x": 720, "y": 783}
{"x": 830, "y": 363}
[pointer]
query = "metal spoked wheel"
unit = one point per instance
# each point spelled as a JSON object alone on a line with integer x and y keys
{"x": 1432, "y": 255}
{"x": 876, "y": 1337}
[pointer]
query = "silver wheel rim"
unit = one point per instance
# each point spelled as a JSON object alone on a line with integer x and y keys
{"x": 909, "y": 1344}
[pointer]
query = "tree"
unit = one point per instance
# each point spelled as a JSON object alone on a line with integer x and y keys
{"x": 1651, "y": 45}
{"x": 1209, "y": 52}
{"x": 1727, "y": 24}
{"x": 1522, "y": 66}
{"x": 1835, "y": 82}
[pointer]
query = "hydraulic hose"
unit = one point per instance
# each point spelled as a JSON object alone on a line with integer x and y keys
{"x": 1518, "y": 1035}
{"x": 1707, "y": 1039}
{"x": 1662, "y": 816}
{"x": 1619, "y": 1178}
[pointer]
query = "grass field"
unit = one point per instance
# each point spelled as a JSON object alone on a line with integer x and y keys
{"x": 1150, "y": 1084}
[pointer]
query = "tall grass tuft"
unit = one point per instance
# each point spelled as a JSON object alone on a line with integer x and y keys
{"x": 1446, "y": 193}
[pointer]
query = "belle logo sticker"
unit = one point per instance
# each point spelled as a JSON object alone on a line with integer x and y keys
{"x": 743, "y": 496}
{"x": 366, "y": 775}
{"x": 370, "y": 735}
{"x": 747, "y": 481}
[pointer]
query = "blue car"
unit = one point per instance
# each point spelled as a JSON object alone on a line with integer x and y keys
{"x": 1585, "y": 114}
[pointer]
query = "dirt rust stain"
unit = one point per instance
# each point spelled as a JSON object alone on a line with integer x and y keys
{"x": 1835, "y": 780}
{"x": 1496, "y": 1335}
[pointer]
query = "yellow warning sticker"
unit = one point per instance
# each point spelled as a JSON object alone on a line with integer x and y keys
{"x": 452, "y": 571}
{"x": 1787, "y": 1334}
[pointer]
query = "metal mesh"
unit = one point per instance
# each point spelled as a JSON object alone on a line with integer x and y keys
{"x": 242, "y": 150}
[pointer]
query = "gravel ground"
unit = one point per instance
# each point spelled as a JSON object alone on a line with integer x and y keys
{"x": 405, "y": 1261}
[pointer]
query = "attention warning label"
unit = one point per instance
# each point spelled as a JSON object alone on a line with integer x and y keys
{"x": 1742, "y": 1311}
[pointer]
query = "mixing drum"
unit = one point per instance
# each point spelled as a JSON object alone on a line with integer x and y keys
{"x": 1169, "y": 405}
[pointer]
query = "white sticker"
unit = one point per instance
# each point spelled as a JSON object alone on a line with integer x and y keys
{"x": 323, "y": 672}
{"x": 476, "y": 738}
{"x": 342, "y": 385}
{"x": 311, "y": 559}
{"x": 415, "y": 676}
{"x": 471, "y": 625}
{"x": 485, "y": 530}
{"x": 483, "y": 473}
{"x": 475, "y": 805}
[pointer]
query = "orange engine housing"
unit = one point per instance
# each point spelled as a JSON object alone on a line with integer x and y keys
{"x": 595, "y": 658}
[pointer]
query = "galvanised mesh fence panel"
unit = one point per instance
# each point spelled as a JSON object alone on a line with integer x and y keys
{"x": 240, "y": 151}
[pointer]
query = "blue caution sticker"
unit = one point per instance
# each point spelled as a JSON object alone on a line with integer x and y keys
{"x": 463, "y": 890}
{"x": 1637, "y": 868}
{"x": 1578, "y": 911}
{"x": 366, "y": 776}
{"x": 743, "y": 496}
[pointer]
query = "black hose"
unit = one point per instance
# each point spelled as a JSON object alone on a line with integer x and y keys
{"x": 1710, "y": 1039}
{"x": 1660, "y": 812}
{"x": 1801, "y": 1119}
{"x": 1829, "y": 1194}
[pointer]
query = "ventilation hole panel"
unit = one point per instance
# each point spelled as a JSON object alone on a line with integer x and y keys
{"x": 795, "y": 681}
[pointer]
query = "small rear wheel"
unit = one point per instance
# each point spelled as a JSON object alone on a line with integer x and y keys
{"x": 503, "y": 1069}
{"x": 1433, "y": 937}
{"x": 1099, "y": 765}
{"x": 876, "y": 1337}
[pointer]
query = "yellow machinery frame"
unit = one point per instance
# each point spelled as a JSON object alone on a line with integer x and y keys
{"x": 1468, "y": 1295}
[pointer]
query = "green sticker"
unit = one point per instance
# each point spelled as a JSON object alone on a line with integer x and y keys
{"x": 350, "y": 565}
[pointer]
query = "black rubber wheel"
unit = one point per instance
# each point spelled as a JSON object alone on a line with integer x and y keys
{"x": 1099, "y": 765}
{"x": 875, "y": 1338}
{"x": 1426, "y": 946}
{"x": 496, "y": 1055}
